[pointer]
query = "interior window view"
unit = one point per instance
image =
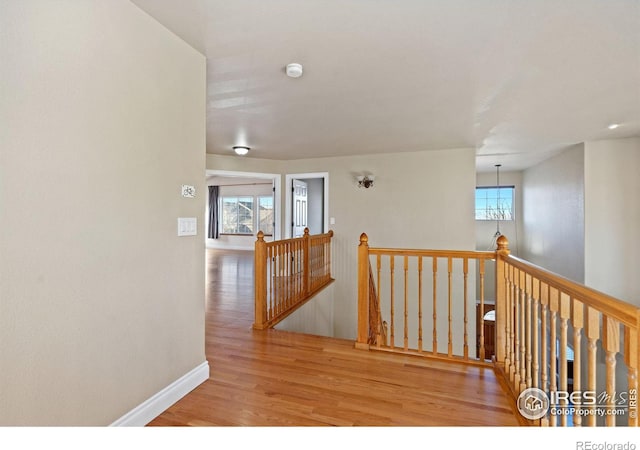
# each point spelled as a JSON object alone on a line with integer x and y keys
{"x": 404, "y": 215}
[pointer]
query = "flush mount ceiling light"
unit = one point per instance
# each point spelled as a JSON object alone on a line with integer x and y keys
{"x": 613, "y": 126}
{"x": 294, "y": 70}
{"x": 241, "y": 150}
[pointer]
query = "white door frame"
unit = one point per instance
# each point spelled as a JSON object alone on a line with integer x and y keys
{"x": 288, "y": 199}
{"x": 277, "y": 181}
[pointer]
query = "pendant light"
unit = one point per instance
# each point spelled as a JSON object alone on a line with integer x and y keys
{"x": 497, "y": 234}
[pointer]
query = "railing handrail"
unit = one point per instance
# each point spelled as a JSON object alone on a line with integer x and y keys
{"x": 430, "y": 253}
{"x": 297, "y": 239}
{"x": 288, "y": 273}
{"x": 606, "y": 304}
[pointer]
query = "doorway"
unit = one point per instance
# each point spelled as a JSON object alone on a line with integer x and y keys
{"x": 273, "y": 181}
{"x": 306, "y": 203}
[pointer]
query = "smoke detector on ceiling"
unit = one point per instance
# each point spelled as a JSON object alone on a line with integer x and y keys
{"x": 294, "y": 70}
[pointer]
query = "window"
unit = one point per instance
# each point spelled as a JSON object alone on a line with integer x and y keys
{"x": 237, "y": 215}
{"x": 247, "y": 215}
{"x": 494, "y": 203}
{"x": 265, "y": 215}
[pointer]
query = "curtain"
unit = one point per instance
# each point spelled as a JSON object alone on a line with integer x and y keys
{"x": 214, "y": 214}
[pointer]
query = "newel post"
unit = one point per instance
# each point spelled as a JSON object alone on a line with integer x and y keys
{"x": 260, "y": 267}
{"x": 306, "y": 273}
{"x": 502, "y": 251}
{"x": 363, "y": 293}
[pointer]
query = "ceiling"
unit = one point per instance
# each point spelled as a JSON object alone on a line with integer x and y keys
{"x": 517, "y": 80}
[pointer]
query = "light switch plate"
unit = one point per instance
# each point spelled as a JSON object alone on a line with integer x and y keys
{"x": 187, "y": 226}
{"x": 188, "y": 191}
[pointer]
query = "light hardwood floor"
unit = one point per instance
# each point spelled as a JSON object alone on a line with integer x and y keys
{"x": 279, "y": 378}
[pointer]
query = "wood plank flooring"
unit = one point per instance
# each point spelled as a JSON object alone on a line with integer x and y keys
{"x": 279, "y": 378}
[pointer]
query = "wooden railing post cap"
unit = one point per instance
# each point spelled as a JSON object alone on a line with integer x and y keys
{"x": 502, "y": 243}
{"x": 330, "y": 233}
{"x": 364, "y": 239}
{"x": 306, "y": 231}
{"x": 260, "y": 236}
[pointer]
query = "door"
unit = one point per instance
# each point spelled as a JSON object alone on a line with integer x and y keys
{"x": 299, "y": 208}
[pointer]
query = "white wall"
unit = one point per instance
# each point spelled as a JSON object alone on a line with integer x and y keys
{"x": 103, "y": 119}
{"x": 612, "y": 217}
{"x": 314, "y": 317}
{"x": 420, "y": 200}
{"x": 553, "y": 214}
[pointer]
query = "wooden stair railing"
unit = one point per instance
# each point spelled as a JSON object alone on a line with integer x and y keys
{"x": 377, "y": 327}
{"x": 383, "y": 297}
{"x": 565, "y": 341}
{"x": 568, "y": 340}
{"x": 288, "y": 273}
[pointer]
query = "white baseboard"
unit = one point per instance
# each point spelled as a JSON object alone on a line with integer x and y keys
{"x": 159, "y": 402}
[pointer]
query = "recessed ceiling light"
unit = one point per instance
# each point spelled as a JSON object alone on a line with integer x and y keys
{"x": 613, "y": 126}
{"x": 294, "y": 70}
{"x": 241, "y": 150}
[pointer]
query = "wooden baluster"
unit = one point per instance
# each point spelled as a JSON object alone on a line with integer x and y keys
{"x": 516, "y": 322}
{"x": 329, "y": 255}
{"x": 363, "y": 293}
{"x": 508, "y": 321}
{"x": 502, "y": 308}
{"x": 449, "y": 317}
{"x": 435, "y": 317}
{"x": 565, "y": 314}
{"x": 554, "y": 303}
{"x": 295, "y": 263}
{"x": 289, "y": 275}
{"x": 529, "y": 325}
{"x": 611, "y": 346}
{"x": 318, "y": 262}
{"x": 420, "y": 304}
{"x": 307, "y": 267}
{"x": 284, "y": 256}
{"x": 282, "y": 285}
{"x": 482, "y": 354}
{"x": 285, "y": 260}
{"x": 544, "y": 341}
{"x": 274, "y": 271}
{"x": 406, "y": 303}
{"x": 260, "y": 304}
{"x": 272, "y": 278}
{"x": 513, "y": 300}
{"x": 577, "y": 319}
{"x": 631, "y": 349}
{"x": 283, "y": 278}
{"x": 293, "y": 277}
{"x": 465, "y": 270}
{"x": 392, "y": 297}
{"x": 523, "y": 335}
{"x": 593, "y": 334}
{"x": 536, "y": 336}
{"x": 378, "y": 268}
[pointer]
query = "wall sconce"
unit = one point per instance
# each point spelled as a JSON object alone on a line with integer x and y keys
{"x": 365, "y": 181}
